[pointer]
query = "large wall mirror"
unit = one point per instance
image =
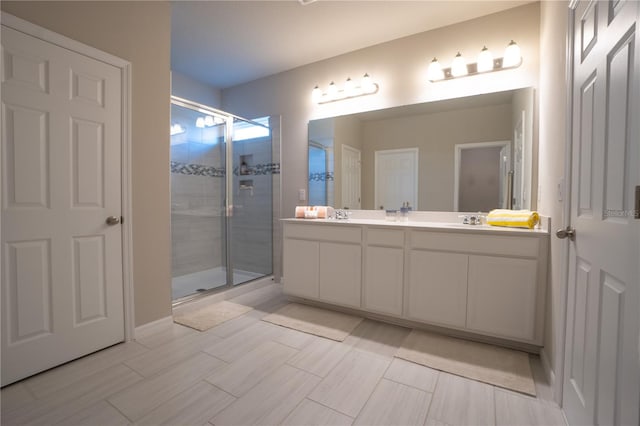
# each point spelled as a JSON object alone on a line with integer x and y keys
{"x": 466, "y": 154}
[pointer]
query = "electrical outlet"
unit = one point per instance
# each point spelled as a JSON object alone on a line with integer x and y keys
{"x": 302, "y": 194}
{"x": 561, "y": 189}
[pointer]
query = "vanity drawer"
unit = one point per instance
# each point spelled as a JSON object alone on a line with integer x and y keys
{"x": 341, "y": 233}
{"x": 385, "y": 237}
{"x": 471, "y": 243}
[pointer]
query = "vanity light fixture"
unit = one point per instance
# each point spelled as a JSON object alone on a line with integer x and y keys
{"x": 208, "y": 121}
{"x": 350, "y": 90}
{"x": 176, "y": 129}
{"x": 486, "y": 63}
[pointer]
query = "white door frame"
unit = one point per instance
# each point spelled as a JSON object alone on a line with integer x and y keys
{"x": 413, "y": 151}
{"x": 33, "y": 30}
{"x": 346, "y": 147}
{"x": 456, "y": 163}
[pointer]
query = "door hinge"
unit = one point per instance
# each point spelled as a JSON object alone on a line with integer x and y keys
{"x": 636, "y": 213}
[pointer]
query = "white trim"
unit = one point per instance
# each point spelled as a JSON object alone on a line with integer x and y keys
{"x": 48, "y": 36}
{"x": 416, "y": 152}
{"x": 456, "y": 162}
{"x": 548, "y": 371}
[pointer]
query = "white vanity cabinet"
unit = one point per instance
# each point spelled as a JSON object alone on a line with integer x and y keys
{"x": 483, "y": 281}
{"x": 384, "y": 271}
{"x": 323, "y": 263}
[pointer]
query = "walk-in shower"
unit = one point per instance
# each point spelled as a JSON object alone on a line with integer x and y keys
{"x": 222, "y": 183}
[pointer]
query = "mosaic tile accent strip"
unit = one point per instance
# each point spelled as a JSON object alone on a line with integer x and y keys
{"x": 196, "y": 170}
{"x": 259, "y": 169}
{"x": 320, "y": 177}
{"x": 210, "y": 171}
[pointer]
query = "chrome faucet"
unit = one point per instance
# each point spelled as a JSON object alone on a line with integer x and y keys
{"x": 342, "y": 214}
{"x": 471, "y": 219}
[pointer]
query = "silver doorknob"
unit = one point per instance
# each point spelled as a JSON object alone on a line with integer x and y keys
{"x": 567, "y": 232}
{"x": 113, "y": 220}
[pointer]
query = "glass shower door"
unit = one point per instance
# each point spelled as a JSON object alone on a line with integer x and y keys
{"x": 251, "y": 239}
{"x": 198, "y": 191}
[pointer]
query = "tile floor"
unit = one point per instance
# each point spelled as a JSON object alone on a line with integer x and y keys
{"x": 247, "y": 371}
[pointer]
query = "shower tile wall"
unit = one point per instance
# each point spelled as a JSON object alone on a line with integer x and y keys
{"x": 197, "y": 188}
{"x": 253, "y": 202}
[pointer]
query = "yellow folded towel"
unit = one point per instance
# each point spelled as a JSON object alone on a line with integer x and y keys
{"x": 513, "y": 218}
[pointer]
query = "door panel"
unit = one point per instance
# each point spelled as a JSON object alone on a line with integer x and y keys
{"x": 62, "y": 283}
{"x": 602, "y": 362}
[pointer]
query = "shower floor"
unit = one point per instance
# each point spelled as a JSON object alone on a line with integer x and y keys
{"x": 196, "y": 282}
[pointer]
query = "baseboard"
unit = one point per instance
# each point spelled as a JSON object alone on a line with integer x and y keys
{"x": 549, "y": 373}
{"x": 144, "y": 327}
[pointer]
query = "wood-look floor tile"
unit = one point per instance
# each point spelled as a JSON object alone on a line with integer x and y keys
{"x": 233, "y": 326}
{"x": 74, "y": 398}
{"x": 177, "y": 350}
{"x": 102, "y": 413}
{"x": 194, "y": 406}
{"x": 320, "y": 356}
{"x": 240, "y": 376}
{"x": 259, "y": 296}
{"x": 460, "y": 401}
{"x": 310, "y": 413}
{"x": 162, "y": 334}
{"x": 516, "y": 409}
{"x": 411, "y": 374}
{"x": 15, "y": 396}
{"x": 271, "y": 401}
{"x": 348, "y": 386}
{"x": 145, "y": 396}
{"x": 378, "y": 338}
{"x": 294, "y": 338}
{"x": 395, "y": 404}
{"x": 55, "y": 379}
{"x": 233, "y": 347}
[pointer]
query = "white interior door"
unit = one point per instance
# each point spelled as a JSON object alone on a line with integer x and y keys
{"x": 396, "y": 178}
{"x": 62, "y": 282}
{"x": 351, "y": 172}
{"x": 602, "y": 364}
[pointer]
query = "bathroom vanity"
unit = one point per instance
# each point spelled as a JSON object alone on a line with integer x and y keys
{"x": 476, "y": 280}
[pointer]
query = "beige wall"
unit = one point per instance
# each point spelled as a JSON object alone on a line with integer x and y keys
{"x": 552, "y": 139}
{"x": 139, "y": 32}
{"x": 435, "y": 136}
{"x": 399, "y": 67}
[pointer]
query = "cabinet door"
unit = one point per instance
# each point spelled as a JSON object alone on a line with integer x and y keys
{"x": 437, "y": 287}
{"x": 340, "y": 273}
{"x": 383, "y": 275}
{"x": 502, "y": 296}
{"x": 301, "y": 267}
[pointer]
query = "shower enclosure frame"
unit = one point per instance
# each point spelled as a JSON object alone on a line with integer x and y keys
{"x": 228, "y": 196}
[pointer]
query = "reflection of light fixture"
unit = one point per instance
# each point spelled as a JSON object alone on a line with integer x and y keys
{"x": 486, "y": 63}
{"x": 208, "y": 121}
{"x": 350, "y": 90}
{"x": 176, "y": 129}
{"x": 458, "y": 66}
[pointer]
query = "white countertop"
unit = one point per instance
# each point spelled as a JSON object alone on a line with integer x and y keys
{"x": 426, "y": 225}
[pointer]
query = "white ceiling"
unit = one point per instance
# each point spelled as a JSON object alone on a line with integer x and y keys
{"x": 226, "y": 43}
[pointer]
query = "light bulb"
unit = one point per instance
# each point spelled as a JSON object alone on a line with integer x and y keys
{"x": 200, "y": 122}
{"x": 208, "y": 121}
{"x": 176, "y": 129}
{"x": 367, "y": 84}
{"x": 316, "y": 94}
{"x": 332, "y": 91}
{"x": 349, "y": 87}
{"x": 458, "y": 66}
{"x": 485, "y": 60}
{"x": 434, "y": 72}
{"x": 512, "y": 56}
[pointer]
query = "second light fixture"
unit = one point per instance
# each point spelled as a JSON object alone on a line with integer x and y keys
{"x": 486, "y": 63}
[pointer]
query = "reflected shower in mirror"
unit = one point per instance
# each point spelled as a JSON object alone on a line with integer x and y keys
{"x": 465, "y": 154}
